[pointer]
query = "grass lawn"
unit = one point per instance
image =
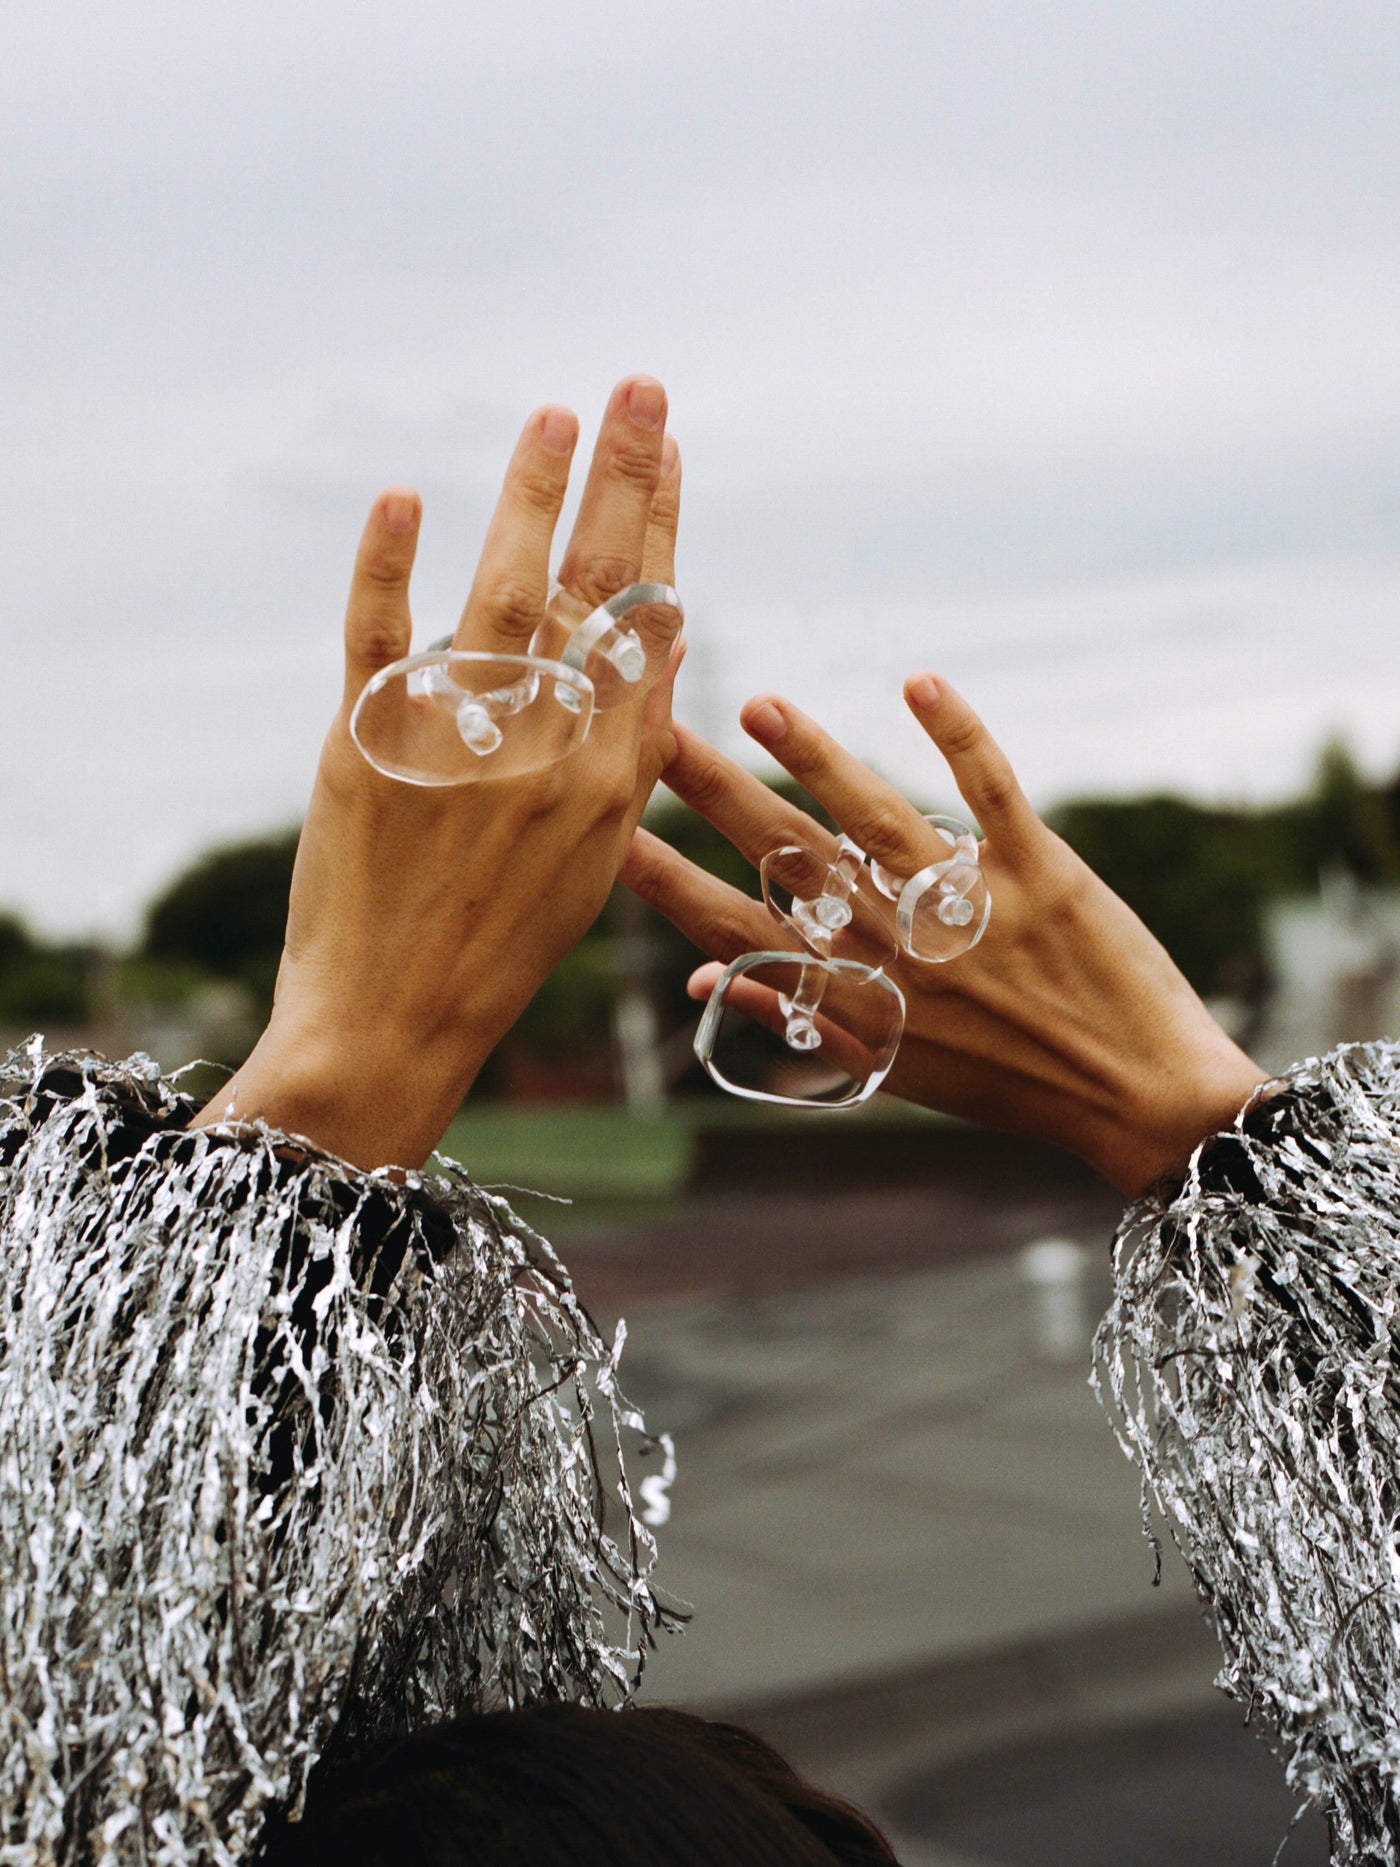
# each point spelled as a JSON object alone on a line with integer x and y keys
{"x": 589, "y": 1151}
{"x": 599, "y": 1153}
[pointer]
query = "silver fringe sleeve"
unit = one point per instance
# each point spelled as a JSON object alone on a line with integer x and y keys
{"x": 292, "y": 1458}
{"x": 1251, "y": 1364}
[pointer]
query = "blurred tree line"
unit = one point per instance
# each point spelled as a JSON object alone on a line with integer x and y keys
{"x": 1201, "y": 876}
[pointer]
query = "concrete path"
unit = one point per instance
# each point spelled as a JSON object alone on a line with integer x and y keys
{"x": 915, "y": 1555}
{"x": 879, "y": 1473}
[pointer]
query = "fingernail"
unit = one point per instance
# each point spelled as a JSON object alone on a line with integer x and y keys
{"x": 765, "y": 723}
{"x": 558, "y": 430}
{"x": 400, "y": 509}
{"x": 646, "y": 402}
{"x": 923, "y": 692}
{"x": 670, "y": 458}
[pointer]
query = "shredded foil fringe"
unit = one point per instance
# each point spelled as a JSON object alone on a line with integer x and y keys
{"x": 1251, "y": 1365}
{"x": 292, "y": 1458}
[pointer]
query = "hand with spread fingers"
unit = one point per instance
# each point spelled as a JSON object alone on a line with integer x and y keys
{"x": 1067, "y": 1021}
{"x": 423, "y": 919}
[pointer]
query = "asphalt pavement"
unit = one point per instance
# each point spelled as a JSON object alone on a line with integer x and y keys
{"x": 914, "y": 1549}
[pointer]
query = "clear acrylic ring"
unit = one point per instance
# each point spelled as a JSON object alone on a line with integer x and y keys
{"x": 827, "y": 905}
{"x": 817, "y": 1025}
{"x": 593, "y": 640}
{"x": 784, "y": 1028}
{"x": 942, "y": 911}
{"x": 453, "y": 716}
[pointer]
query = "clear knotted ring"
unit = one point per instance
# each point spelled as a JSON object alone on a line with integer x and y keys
{"x": 450, "y": 716}
{"x": 942, "y": 911}
{"x": 819, "y": 1024}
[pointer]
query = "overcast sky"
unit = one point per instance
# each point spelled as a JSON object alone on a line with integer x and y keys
{"x": 1052, "y": 345}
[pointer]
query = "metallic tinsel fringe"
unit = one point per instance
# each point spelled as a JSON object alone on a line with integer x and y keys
{"x": 1251, "y": 1363}
{"x": 291, "y": 1458}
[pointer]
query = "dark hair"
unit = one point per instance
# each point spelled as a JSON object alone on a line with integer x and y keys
{"x": 566, "y": 1786}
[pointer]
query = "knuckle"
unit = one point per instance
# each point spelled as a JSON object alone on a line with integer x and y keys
{"x": 808, "y": 758}
{"x": 634, "y": 463}
{"x": 603, "y": 576}
{"x": 541, "y": 491}
{"x": 513, "y": 605}
{"x": 540, "y": 793}
{"x": 645, "y": 872}
{"x": 728, "y": 934}
{"x": 886, "y": 830}
{"x": 382, "y": 574}
{"x": 995, "y": 798}
{"x": 666, "y": 507}
{"x": 963, "y": 737}
{"x": 706, "y": 786}
{"x": 998, "y": 790}
{"x": 612, "y": 791}
{"x": 378, "y": 639}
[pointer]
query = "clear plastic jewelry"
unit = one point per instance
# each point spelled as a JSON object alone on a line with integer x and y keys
{"x": 828, "y": 906}
{"x": 786, "y": 1028}
{"x": 818, "y": 1025}
{"x": 823, "y": 1030}
{"x": 618, "y": 643}
{"x": 941, "y": 912}
{"x": 452, "y": 716}
{"x": 449, "y": 717}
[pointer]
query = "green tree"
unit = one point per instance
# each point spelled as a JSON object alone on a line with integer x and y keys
{"x": 1199, "y": 877}
{"x": 226, "y": 914}
{"x": 1345, "y": 821}
{"x": 42, "y": 984}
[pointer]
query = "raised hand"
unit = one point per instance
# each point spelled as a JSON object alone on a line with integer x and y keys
{"x": 423, "y": 920}
{"x": 1067, "y": 1021}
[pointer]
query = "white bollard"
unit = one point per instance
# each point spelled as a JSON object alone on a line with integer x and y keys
{"x": 1054, "y": 1271}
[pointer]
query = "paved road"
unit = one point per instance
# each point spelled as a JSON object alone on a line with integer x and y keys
{"x": 912, "y": 1544}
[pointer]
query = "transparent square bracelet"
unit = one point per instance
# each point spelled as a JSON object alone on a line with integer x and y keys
{"x": 450, "y": 716}
{"x": 816, "y": 1022}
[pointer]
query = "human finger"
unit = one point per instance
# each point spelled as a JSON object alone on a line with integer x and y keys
{"x": 507, "y": 598}
{"x": 653, "y": 744}
{"x": 656, "y": 625}
{"x": 869, "y": 810}
{"x": 714, "y": 917}
{"x": 663, "y": 518}
{"x": 378, "y": 625}
{"x": 604, "y": 552}
{"x": 657, "y": 726}
{"x": 981, "y": 770}
{"x": 741, "y": 806}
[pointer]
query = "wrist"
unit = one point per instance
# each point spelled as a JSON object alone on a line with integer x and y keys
{"x": 371, "y": 1104}
{"x": 1166, "y": 1116}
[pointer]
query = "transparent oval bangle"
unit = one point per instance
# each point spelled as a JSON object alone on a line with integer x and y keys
{"x": 593, "y": 640}
{"x": 453, "y": 716}
{"x": 804, "y": 1033}
{"x": 942, "y": 911}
